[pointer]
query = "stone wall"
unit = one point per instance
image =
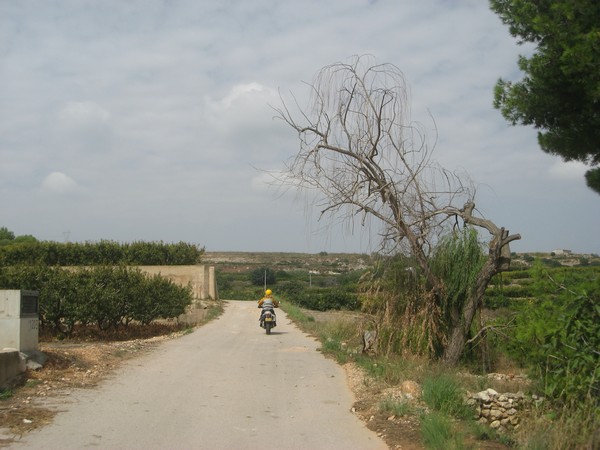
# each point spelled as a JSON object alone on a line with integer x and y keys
{"x": 500, "y": 411}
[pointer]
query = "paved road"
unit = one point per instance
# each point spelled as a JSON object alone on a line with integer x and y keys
{"x": 226, "y": 386}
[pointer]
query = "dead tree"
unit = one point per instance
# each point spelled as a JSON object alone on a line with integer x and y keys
{"x": 360, "y": 150}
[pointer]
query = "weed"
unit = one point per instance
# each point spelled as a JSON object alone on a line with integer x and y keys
{"x": 482, "y": 432}
{"x": 32, "y": 383}
{"x": 5, "y": 394}
{"x": 573, "y": 426}
{"x": 437, "y": 433}
{"x": 399, "y": 408}
{"x": 443, "y": 393}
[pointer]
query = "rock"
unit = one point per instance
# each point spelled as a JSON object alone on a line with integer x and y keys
{"x": 495, "y": 413}
{"x": 495, "y": 424}
{"x": 409, "y": 387}
{"x": 483, "y": 396}
{"x": 492, "y": 393}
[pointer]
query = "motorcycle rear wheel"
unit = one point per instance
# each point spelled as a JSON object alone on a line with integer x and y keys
{"x": 268, "y": 327}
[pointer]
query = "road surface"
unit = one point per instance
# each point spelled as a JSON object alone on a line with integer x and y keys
{"x": 226, "y": 386}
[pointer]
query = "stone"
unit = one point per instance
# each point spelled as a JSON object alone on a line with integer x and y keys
{"x": 495, "y": 424}
{"x": 495, "y": 413}
{"x": 411, "y": 388}
{"x": 491, "y": 392}
{"x": 483, "y": 396}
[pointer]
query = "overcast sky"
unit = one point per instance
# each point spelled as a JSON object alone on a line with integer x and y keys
{"x": 149, "y": 119}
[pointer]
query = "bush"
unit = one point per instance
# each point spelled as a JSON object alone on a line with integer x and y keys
{"x": 262, "y": 276}
{"x": 443, "y": 393}
{"x": 99, "y": 253}
{"x": 437, "y": 433}
{"x": 558, "y": 333}
{"x": 324, "y": 299}
{"x": 104, "y": 296}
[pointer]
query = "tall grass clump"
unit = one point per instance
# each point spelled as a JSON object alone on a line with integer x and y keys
{"x": 437, "y": 433}
{"x": 575, "y": 426}
{"x": 443, "y": 393}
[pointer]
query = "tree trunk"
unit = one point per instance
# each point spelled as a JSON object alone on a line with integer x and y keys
{"x": 497, "y": 261}
{"x": 455, "y": 346}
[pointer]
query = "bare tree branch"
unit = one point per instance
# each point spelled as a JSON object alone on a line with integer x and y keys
{"x": 362, "y": 153}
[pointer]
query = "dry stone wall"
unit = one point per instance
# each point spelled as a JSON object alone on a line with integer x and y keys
{"x": 500, "y": 411}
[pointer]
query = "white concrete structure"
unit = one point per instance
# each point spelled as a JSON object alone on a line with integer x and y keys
{"x": 19, "y": 320}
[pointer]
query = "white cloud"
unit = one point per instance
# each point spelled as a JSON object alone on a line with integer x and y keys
{"x": 59, "y": 183}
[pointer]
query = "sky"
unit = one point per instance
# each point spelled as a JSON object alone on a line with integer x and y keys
{"x": 152, "y": 120}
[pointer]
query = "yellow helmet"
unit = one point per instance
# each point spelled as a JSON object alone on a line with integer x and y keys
{"x": 268, "y": 292}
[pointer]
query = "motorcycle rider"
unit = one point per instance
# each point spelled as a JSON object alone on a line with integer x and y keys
{"x": 267, "y": 303}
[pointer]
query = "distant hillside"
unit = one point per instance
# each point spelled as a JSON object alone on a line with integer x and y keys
{"x": 320, "y": 262}
{"x": 344, "y": 262}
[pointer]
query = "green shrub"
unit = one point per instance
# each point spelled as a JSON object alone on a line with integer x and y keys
{"x": 437, "y": 433}
{"x": 443, "y": 393}
{"x": 399, "y": 408}
{"x": 324, "y": 299}
{"x": 104, "y": 296}
{"x": 262, "y": 275}
{"x": 558, "y": 332}
{"x": 31, "y": 252}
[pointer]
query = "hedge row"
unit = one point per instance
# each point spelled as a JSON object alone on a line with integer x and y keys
{"x": 103, "y": 253}
{"x": 320, "y": 299}
{"x": 104, "y": 296}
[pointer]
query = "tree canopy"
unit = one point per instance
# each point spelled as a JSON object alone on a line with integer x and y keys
{"x": 560, "y": 91}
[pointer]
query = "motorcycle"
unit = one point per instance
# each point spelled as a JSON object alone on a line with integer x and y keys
{"x": 268, "y": 320}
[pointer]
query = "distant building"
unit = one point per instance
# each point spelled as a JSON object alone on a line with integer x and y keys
{"x": 562, "y": 252}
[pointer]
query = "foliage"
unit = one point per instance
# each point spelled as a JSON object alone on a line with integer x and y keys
{"x": 574, "y": 426}
{"x": 457, "y": 260}
{"x": 263, "y": 276}
{"x": 558, "y": 332}
{"x": 99, "y": 253}
{"x": 6, "y": 234}
{"x": 560, "y": 92}
{"x": 105, "y": 296}
{"x": 325, "y": 299}
{"x": 7, "y": 237}
{"x": 437, "y": 433}
{"x": 411, "y": 319}
{"x": 443, "y": 392}
{"x": 399, "y": 408}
